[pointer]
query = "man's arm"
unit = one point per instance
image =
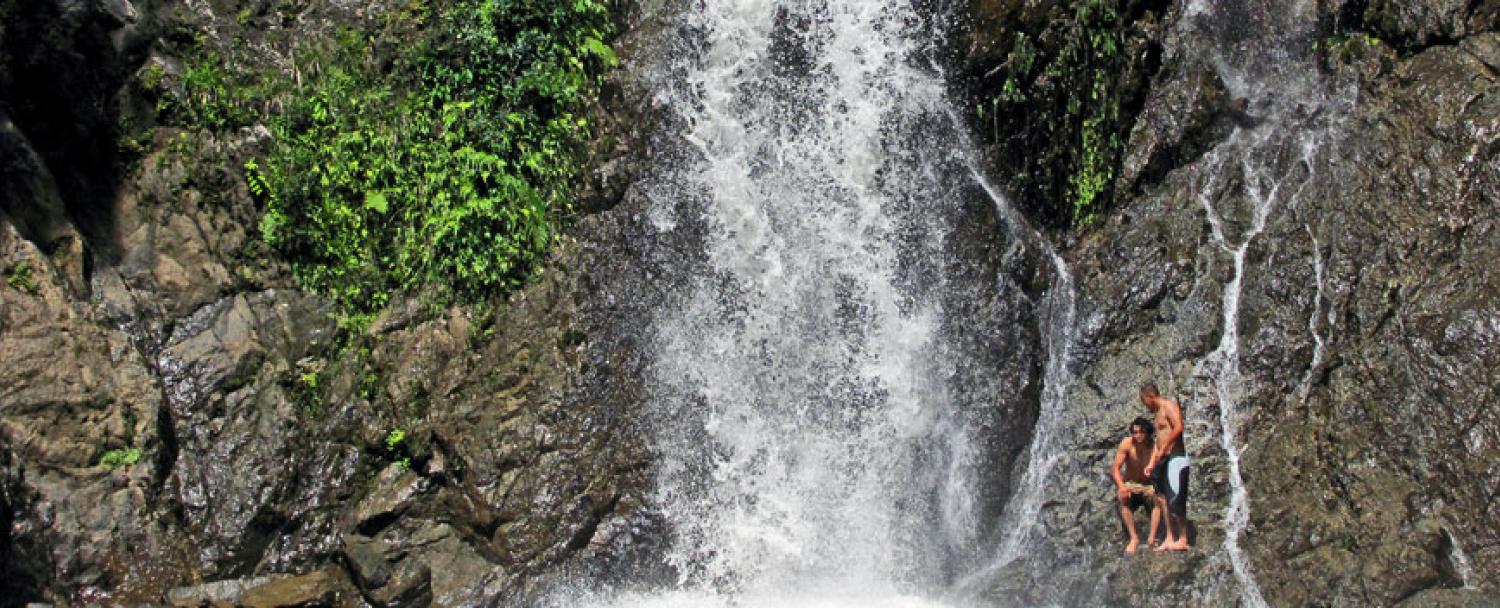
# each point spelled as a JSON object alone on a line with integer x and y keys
{"x": 1167, "y": 437}
{"x": 1114, "y": 469}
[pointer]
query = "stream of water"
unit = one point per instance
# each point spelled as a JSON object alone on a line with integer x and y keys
{"x": 1264, "y": 56}
{"x": 810, "y": 450}
{"x": 808, "y": 447}
{"x": 1059, "y": 319}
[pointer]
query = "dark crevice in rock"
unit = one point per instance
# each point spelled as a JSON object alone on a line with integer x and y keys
{"x": 262, "y": 530}
{"x": 1414, "y": 27}
{"x": 166, "y": 455}
{"x": 23, "y": 565}
{"x": 590, "y": 525}
{"x": 374, "y": 525}
{"x": 64, "y": 64}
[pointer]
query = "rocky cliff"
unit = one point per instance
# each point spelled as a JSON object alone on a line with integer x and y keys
{"x": 179, "y": 422}
{"x": 1358, "y": 191}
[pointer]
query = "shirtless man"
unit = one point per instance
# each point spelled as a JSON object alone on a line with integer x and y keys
{"x": 1168, "y": 467}
{"x": 1132, "y": 485}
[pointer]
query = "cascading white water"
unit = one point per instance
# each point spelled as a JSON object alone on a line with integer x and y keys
{"x": 1225, "y": 365}
{"x": 1059, "y": 312}
{"x": 1263, "y": 54}
{"x": 1258, "y": 159}
{"x": 1461, "y": 565}
{"x": 809, "y": 452}
{"x": 808, "y": 449}
{"x": 1318, "y": 318}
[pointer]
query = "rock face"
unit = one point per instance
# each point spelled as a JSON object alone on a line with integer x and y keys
{"x": 1360, "y": 406}
{"x": 1054, "y": 87}
{"x": 180, "y": 424}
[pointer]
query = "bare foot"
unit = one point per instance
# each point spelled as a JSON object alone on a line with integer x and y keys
{"x": 1166, "y": 546}
{"x": 1130, "y": 548}
{"x": 1180, "y": 545}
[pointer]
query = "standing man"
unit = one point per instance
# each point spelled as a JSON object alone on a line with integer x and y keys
{"x": 1168, "y": 467}
{"x": 1132, "y": 485}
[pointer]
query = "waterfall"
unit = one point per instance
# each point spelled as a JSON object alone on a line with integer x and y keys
{"x": 1264, "y": 56}
{"x": 1319, "y": 317}
{"x": 810, "y": 447}
{"x": 809, "y": 450}
{"x": 1223, "y": 365}
{"x": 1059, "y": 332}
{"x": 1460, "y": 561}
{"x": 1255, "y": 157}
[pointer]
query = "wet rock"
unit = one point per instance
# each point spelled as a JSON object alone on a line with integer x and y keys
{"x": 326, "y": 587}
{"x": 396, "y": 487}
{"x": 365, "y": 561}
{"x": 217, "y": 593}
{"x": 243, "y": 471}
{"x": 186, "y": 233}
{"x": 1362, "y": 330}
{"x": 1416, "y": 25}
{"x": 1183, "y": 116}
{"x": 22, "y": 564}
{"x": 409, "y": 585}
{"x": 77, "y": 392}
{"x": 1451, "y": 598}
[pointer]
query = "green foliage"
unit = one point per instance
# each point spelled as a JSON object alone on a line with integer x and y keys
{"x": 306, "y": 389}
{"x": 256, "y": 181}
{"x": 123, "y": 457}
{"x": 1056, "y": 100}
{"x": 213, "y": 97}
{"x": 153, "y": 76}
{"x": 447, "y": 173}
{"x": 19, "y": 278}
{"x": 369, "y": 385}
{"x": 395, "y": 444}
{"x": 1093, "y": 174}
{"x": 394, "y": 438}
{"x": 1345, "y": 47}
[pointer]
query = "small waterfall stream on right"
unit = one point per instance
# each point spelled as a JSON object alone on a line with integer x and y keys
{"x": 1265, "y": 57}
{"x": 1288, "y": 117}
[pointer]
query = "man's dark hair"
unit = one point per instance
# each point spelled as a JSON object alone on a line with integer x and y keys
{"x": 1145, "y": 425}
{"x": 1149, "y": 389}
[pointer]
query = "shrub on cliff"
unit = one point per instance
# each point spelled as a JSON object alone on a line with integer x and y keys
{"x": 447, "y": 168}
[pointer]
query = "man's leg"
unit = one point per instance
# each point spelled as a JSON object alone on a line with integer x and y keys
{"x": 1129, "y": 517}
{"x": 1179, "y": 522}
{"x": 1161, "y": 507}
{"x": 1179, "y": 510}
{"x": 1155, "y": 523}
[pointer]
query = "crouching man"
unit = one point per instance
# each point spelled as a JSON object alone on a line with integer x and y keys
{"x": 1132, "y": 483}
